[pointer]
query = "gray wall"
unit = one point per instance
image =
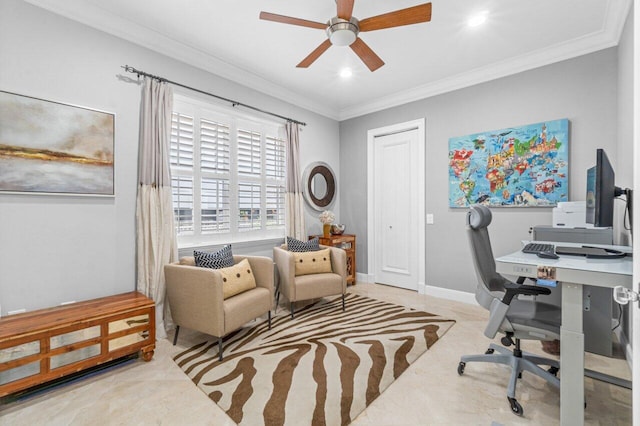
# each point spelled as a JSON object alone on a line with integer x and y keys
{"x": 54, "y": 249}
{"x": 59, "y": 248}
{"x": 584, "y": 90}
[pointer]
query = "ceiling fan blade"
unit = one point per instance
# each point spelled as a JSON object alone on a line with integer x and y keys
{"x": 315, "y": 54}
{"x": 345, "y": 9}
{"x": 408, "y": 16}
{"x": 368, "y": 56}
{"x": 293, "y": 21}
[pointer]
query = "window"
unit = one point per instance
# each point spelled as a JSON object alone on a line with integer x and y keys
{"x": 228, "y": 175}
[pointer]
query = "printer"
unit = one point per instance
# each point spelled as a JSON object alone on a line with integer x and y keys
{"x": 571, "y": 214}
{"x": 570, "y": 225}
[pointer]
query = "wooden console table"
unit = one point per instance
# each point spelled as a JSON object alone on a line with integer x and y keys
{"x": 47, "y": 344}
{"x": 347, "y": 242}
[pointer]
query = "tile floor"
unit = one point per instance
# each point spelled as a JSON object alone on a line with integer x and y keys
{"x": 430, "y": 392}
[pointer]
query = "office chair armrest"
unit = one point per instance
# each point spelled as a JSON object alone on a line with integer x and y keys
{"x": 528, "y": 290}
{"x": 499, "y": 308}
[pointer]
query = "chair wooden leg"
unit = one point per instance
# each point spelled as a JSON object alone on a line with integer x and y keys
{"x": 291, "y": 306}
{"x": 343, "y": 308}
{"x": 269, "y": 319}
{"x": 175, "y": 336}
{"x": 220, "y": 348}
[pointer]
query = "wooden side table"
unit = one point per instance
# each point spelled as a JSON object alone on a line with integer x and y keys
{"x": 347, "y": 242}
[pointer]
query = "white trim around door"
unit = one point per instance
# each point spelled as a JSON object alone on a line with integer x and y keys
{"x": 418, "y": 124}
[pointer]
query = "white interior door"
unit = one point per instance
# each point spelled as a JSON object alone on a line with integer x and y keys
{"x": 396, "y": 183}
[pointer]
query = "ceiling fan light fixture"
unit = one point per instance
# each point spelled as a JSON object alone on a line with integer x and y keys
{"x": 343, "y": 29}
{"x": 342, "y": 38}
{"x": 342, "y": 32}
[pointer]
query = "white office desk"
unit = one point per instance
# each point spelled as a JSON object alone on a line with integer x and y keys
{"x": 572, "y": 272}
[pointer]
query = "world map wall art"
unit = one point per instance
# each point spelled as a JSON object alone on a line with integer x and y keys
{"x": 524, "y": 166}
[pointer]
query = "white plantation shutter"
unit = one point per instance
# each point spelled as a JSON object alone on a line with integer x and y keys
{"x": 249, "y": 195}
{"x": 181, "y": 160}
{"x": 215, "y": 164}
{"x": 275, "y": 172}
{"x": 181, "y": 140}
{"x": 275, "y": 161}
{"x": 275, "y": 206}
{"x": 249, "y": 159}
{"x": 215, "y": 214}
{"x": 228, "y": 175}
{"x": 214, "y": 146}
{"x": 182, "y": 190}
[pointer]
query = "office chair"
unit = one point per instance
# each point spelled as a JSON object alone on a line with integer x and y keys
{"x": 516, "y": 319}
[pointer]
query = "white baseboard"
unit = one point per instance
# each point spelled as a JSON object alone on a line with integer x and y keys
{"x": 455, "y": 295}
{"x": 364, "y": 278}
{"x": 443, "y": 293}
{"x": 370, "y": 279}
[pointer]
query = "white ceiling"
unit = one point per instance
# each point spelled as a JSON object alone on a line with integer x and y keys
{"x": 226, "y": 38}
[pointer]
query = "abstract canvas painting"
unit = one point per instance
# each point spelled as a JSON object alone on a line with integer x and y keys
{"x": 524, "y": 166}
{"x": 53, "y": 148}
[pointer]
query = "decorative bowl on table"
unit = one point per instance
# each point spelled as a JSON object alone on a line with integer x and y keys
{"x": 337, "y": 229}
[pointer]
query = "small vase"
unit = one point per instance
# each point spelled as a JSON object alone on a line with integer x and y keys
{"x": 326, "y": 230}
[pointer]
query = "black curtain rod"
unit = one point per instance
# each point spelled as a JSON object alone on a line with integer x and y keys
{"x": 132, "y": 70}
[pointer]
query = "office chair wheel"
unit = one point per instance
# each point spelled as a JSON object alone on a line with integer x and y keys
{"x": 489, "y": 351}
{"x": 461, "y": 367}
{"x": 516, "y": 408}
{"x": 506, "y": 341}
{"x": 553, "y": 370}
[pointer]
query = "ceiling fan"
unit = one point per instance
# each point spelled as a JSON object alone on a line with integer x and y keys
{"x": 343, "y": 29}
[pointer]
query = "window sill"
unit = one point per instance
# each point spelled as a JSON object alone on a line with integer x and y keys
{"x": 238, "y": 245}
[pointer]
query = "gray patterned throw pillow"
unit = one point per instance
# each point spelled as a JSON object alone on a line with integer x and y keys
{"x": 298, "y": 246}
{"x": 222, "y": 258}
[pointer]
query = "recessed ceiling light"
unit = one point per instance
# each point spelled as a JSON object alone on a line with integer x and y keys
{"x": 477, "y": 19}
{"x": 346, "y": 73}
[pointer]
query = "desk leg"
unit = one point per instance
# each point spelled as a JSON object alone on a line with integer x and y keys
{"x": 571, "y": 356}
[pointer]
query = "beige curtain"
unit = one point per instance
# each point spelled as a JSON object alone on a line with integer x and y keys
{"x": 156, "y": 241}
{"x": 294, "y": 219}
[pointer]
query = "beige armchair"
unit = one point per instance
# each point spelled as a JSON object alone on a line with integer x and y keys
{"x": 311, "y": 286}
{"x": 196, "y": 298}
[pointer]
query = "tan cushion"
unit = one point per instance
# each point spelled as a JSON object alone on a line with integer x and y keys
{"x": 313, "y": 262}
{"x": 190, "y": 261}
{"x": 318, "y": 285}
{"x": 237, "y": 278}
{"x": 243, "y": 307}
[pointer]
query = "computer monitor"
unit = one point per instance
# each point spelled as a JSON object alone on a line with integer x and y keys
{"x": 601, "y": 191}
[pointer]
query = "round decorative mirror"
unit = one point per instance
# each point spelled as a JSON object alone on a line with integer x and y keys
{"x": 319, "y": 185}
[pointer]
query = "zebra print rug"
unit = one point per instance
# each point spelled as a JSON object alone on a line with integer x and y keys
{"x": 322, "y": 368}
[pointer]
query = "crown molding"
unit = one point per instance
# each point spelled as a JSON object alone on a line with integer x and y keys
{"x": 98, "y": 18}
{"x": 105, "y": 21}
{"x": 608, "y": 36}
